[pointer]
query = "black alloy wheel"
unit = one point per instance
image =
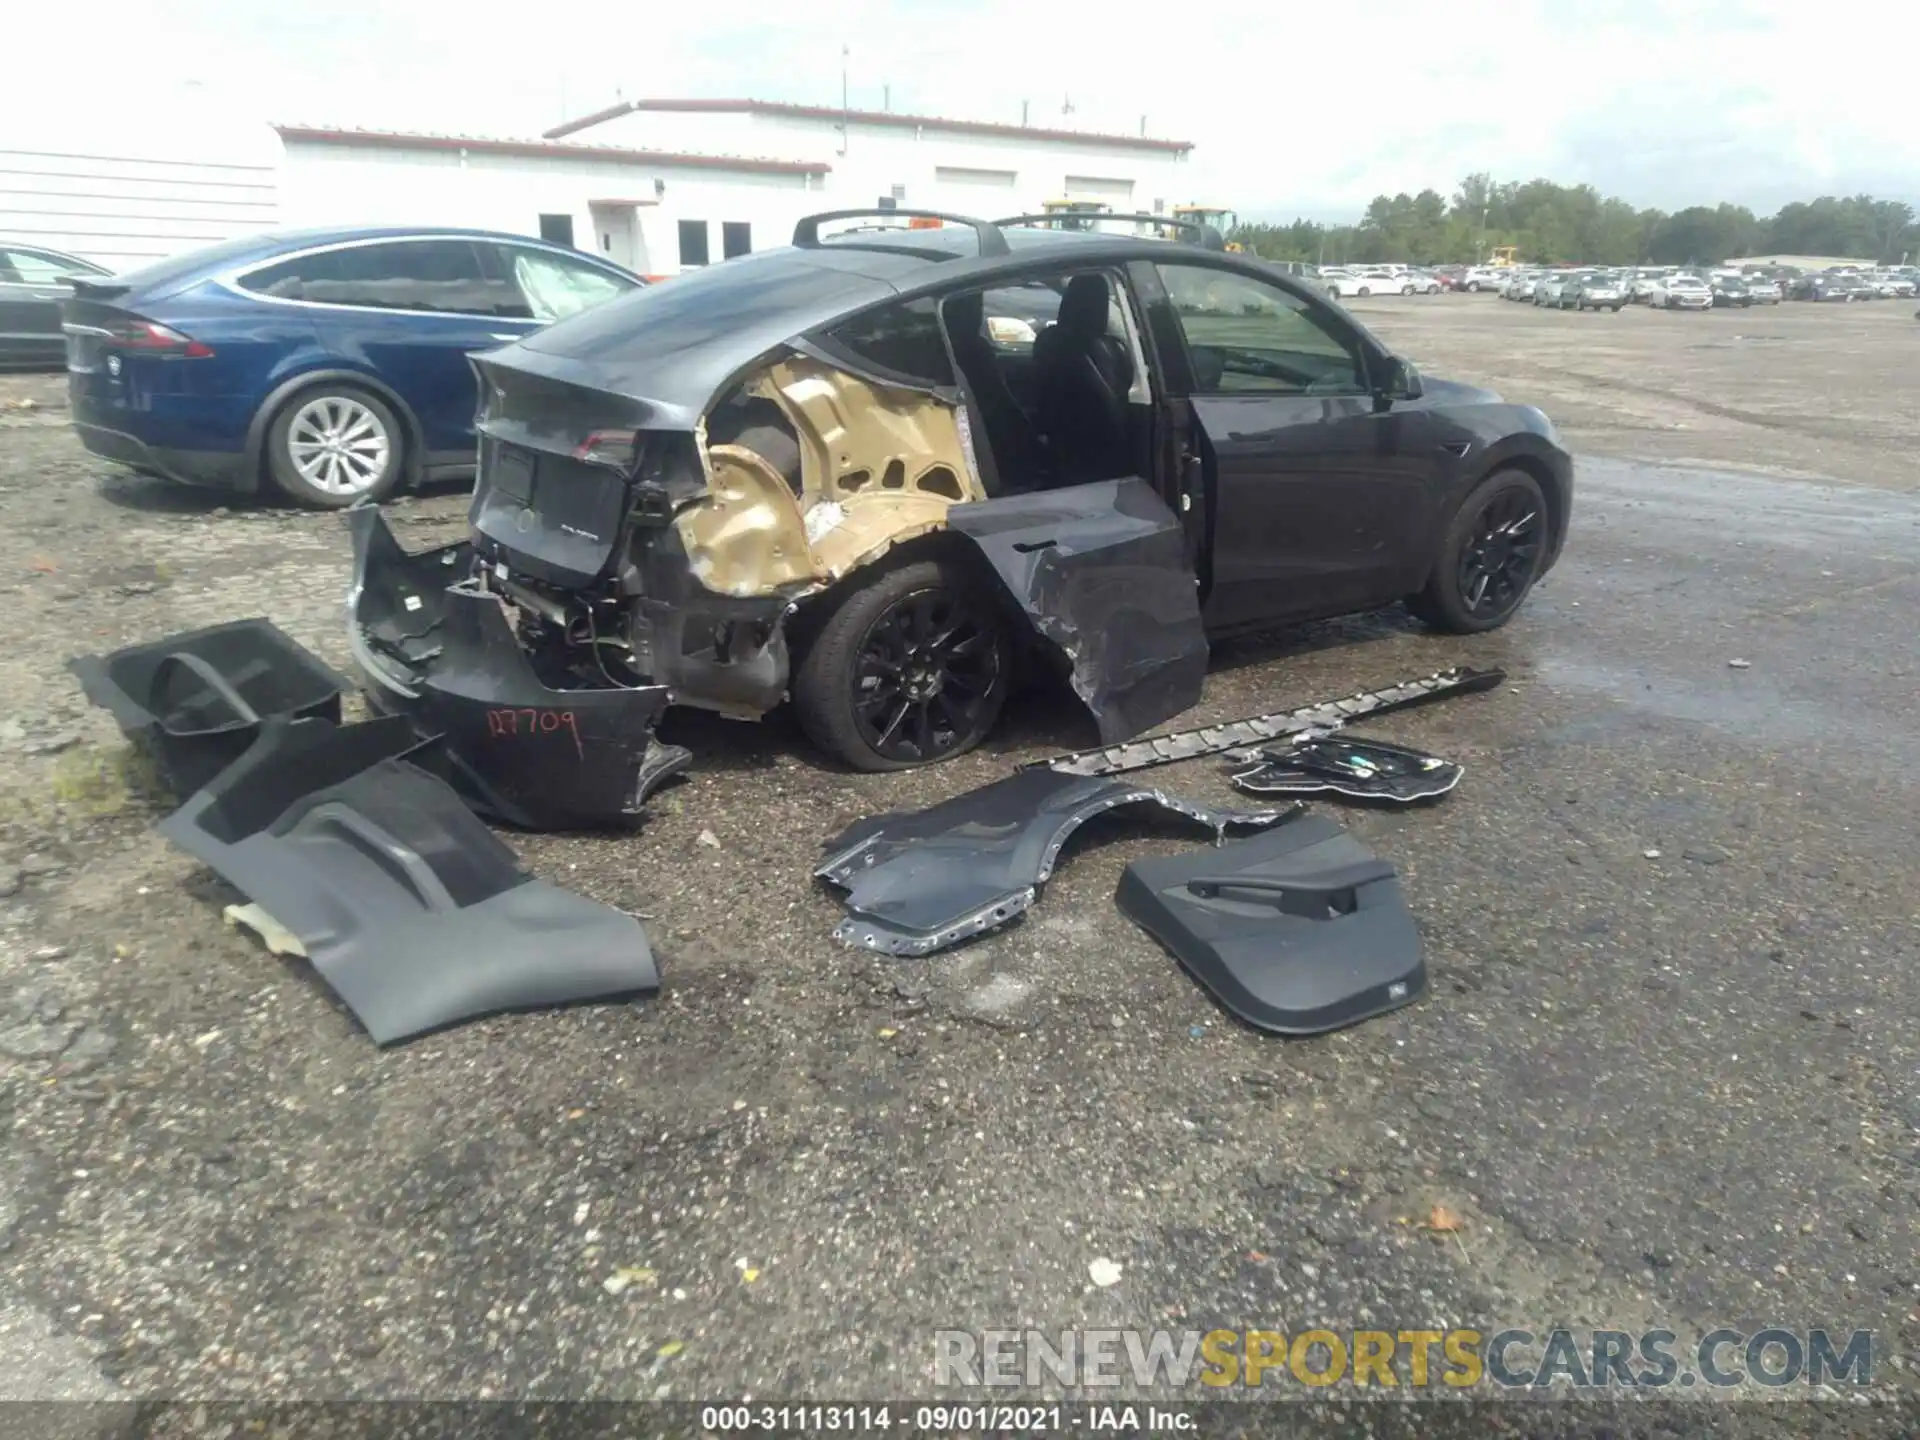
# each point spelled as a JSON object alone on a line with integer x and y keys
{"x": 908, "y": 670}
{"x": 1489, "y": 557}
{"x": 1499, "y": 561}
{"x": 923, "y": 677}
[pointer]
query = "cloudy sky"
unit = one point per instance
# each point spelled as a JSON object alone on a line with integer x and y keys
{"x": 1295, "y": 109}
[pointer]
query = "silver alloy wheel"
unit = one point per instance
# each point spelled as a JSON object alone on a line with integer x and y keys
{"x": 339, "y": 445}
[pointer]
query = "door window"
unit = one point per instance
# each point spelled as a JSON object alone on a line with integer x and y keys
{"x": 540, "y": 285}
{"x": 442, "y": 276}
{"x": 1244, "y": 335}
{"x": 32, "y": 268}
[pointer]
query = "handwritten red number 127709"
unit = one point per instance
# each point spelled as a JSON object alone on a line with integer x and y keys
{"x": 529, "y": 721}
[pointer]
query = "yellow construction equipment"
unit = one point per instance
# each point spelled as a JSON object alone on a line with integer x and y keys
{"x": 1075, "y": 214}
{"x": 1504, "y": 255}
{"x": 1220, "y": 219}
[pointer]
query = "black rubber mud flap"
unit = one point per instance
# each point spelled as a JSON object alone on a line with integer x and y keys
{"x": 1100, "y": 570}
{"x": 414, "y": 912}
{"x": 1347, "y": 765}
{"x": 919, "y": 881}
{"x": 195, "y": 701}
{"x": 434, "y": 647}
{"x": 1296, "y": 931}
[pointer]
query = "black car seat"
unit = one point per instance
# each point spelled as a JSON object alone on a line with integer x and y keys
{"x": 1016, "y": 452}
{"x": 1082, "y": 375}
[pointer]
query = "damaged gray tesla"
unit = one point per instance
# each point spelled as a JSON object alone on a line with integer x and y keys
{"x": 865, "y": 471}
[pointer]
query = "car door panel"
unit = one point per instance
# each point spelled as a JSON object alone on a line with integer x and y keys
{"x": 411, "y": 311}
{"x": 30, "y": 296}
{"x": 1318, "y": 501}
{"x": 424, "y": 357}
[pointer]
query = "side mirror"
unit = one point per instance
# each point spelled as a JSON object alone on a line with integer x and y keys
{"x": 1399, "y": 380}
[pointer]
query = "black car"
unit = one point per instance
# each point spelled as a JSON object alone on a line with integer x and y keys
{"x": 1823, "y": 286}
{"x": 1731, "y": 290}
{"x": 33, "y": 282}
{"x": 867, "y": 471}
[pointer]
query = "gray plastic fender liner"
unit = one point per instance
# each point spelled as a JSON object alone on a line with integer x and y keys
{"x": 414, "y": 912}
{"x": 919, "y": 881}
{"x": 1297, "y": 931}
{"x": 1101, "y": 571}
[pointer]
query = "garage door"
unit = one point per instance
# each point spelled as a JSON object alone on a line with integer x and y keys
{"x": 1117, "y": 193}
{"x": 960, "y": 177}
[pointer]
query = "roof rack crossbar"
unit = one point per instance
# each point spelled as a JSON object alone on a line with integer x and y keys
{"x": 1203, "y": 234}
{"x": 806, "y": 234}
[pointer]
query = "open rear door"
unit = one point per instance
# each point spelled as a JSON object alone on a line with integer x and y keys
{"x": 1101, "y": 571}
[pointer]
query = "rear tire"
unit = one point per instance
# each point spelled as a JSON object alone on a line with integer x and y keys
{"x": 1511, "y": 559}
{"x": 910, "y": 669}
{"x": 333, "y": 446}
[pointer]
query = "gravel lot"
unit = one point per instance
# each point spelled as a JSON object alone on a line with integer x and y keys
{"x": 1666, "y": 1073}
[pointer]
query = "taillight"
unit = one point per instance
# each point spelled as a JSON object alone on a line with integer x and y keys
{"x": 152, "y": 338}
{"x": 616, "y": 449}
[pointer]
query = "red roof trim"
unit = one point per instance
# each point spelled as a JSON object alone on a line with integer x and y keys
{"x": 869, "y": 117}
{"x": 397, "y": 140}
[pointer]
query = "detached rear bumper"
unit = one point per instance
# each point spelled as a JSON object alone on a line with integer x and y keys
{"x": 433, "y": 646}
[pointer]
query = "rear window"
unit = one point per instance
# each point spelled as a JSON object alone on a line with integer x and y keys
{"x": 441, "y": 275}
{"x": 747, "y": 304}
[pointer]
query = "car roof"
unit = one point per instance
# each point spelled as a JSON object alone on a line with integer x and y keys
{"x": 177, "y": 272}
{"x": 677, "y": 344}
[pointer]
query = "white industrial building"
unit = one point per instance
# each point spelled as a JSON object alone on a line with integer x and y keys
{"x": 657, "y": 185}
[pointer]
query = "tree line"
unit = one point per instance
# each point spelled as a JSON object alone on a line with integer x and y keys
{"x": 1549, "y": 224}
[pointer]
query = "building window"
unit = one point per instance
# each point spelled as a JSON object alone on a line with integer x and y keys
{"x": 899, "y": 192}
{"x": 887, "y": 202}
{"x": 693, "y": 242}
{"x": 736, "y": 238}
{"x": 557, "y": 228}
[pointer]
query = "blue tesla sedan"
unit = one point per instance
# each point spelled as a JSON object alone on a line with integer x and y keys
{"x": 328, "y": 365}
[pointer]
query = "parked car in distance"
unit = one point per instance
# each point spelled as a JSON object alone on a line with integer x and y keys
{"x": 1546, "y": 290}
{"x": 1681, "y": 292}
{"x": 740, "y": 557}
{"x": 1522, "y": 285}
{"x": 1595, "y": 290}
{"x": 1762, "y": 290}
{"x": 1420, "y": 282}
{"x": 1341, "y": 283}
{"x": 1889, "y": 285}
{"x": 1730, "y": 291}
{"x": 33, "y": 283}
{"x": 1822, "y": 285}
{"x": 1485, "y": 277}
{"x": 330, "y": 365}
{"x": 1644, "y": 282}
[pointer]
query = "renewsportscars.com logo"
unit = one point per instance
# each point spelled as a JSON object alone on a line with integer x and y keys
{"x": 1508, "y": 1359}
